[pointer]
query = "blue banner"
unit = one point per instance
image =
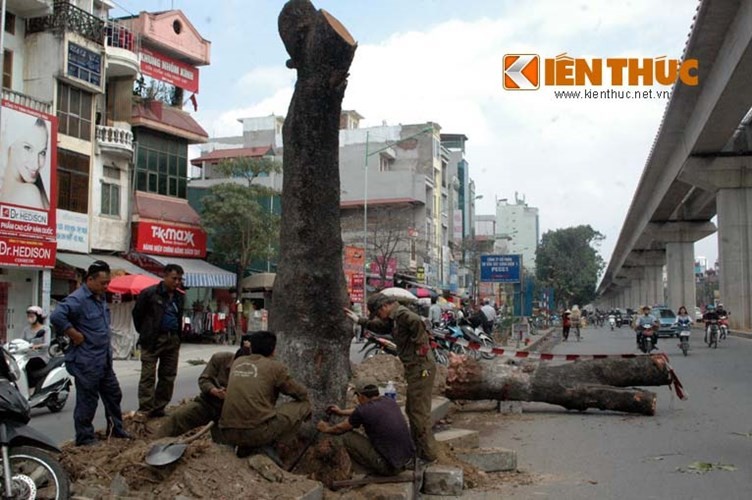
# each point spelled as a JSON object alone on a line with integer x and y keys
{"x": 500, "y": 268}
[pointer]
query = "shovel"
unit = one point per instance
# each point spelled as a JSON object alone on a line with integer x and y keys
{"x": 164, "y": 454}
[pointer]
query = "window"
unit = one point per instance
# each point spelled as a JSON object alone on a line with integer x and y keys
{"x": 385, "y": 163}
{"x": 72, "y": 181}
{"x": 74, "y": 111}
{"x": 161, "y": 165}
{"x": 7, "y": 69}
{"x": 110, "y": 199}
{"x": 10, "y": 23}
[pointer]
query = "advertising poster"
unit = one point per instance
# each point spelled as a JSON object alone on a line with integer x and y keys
{"x": 28, "y": 185}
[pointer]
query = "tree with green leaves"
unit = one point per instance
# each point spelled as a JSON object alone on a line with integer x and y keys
{"x": 568, "y": 261}
{"x": 240, "y": 227}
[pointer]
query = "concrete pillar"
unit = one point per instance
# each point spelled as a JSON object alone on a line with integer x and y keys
{"x": 735, "y": 254}
{"x": 680, "y": 271}
{"x": 654, "y": 285}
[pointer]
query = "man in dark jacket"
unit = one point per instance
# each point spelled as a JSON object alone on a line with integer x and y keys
{"x": 414, "y": 350}
{"x": 157, "y": 316}
{"x": 85, "y": 318}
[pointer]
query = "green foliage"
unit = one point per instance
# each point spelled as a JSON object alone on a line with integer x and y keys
{"x": 235, "y": 217}
{"x": 568, "y": 261}
{"x": 248, "y": 168}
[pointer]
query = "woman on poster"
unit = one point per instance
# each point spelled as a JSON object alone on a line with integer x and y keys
{"x": 26, "y": 158}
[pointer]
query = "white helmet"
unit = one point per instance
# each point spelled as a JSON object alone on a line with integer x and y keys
{"x": 41, "y": 315}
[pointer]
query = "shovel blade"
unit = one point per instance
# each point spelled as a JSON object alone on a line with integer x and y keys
{"x": 165, "y": 454}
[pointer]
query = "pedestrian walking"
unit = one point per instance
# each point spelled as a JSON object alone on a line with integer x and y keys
{"x": 414, "y": 350}
{"x": 85, "y": 318}
{"x": 157, "y": 317}
{"x": 387, "y": 448}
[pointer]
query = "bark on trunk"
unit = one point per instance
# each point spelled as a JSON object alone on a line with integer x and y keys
{"x": 309, "y": 290}
{"x": 605, "y": 384}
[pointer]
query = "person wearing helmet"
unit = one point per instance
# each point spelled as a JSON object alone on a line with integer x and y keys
{"x": 36, "y": 331}
{"x": 710, "y": 314}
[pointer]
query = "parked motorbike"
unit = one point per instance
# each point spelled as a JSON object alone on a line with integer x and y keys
{"x": 42, "y": 382}
{"x": 723, "y": 327}
{"x": 684, "y": 334}
{"x": 646, "y": 338}
{"x": 377, "y": 344}
{"x": 27, "y": 469}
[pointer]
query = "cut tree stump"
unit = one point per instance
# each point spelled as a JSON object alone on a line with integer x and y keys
{"x": 606, "y": 384}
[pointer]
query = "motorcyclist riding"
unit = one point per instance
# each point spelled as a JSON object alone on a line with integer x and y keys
{"x": 646, "y": 319}
{"x": 710, "y": 314}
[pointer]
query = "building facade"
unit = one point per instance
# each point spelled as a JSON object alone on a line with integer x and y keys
{"x": 518, "y": 229}
{"x": 112, "y": 155}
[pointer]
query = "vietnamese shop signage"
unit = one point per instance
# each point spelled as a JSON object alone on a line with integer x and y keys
{"x": 72, "y": 231}
{"x": 28, "y": 186}
{"x": 169, "y": 70}
{"x": 162, "y": 239}
{"x": 84, "y": 64}
{"x": 500, "y": 268}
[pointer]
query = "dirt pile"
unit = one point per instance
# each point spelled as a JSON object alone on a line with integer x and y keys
{"x": 384, "y": 368}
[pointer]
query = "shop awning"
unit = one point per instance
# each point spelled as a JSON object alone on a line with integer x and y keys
{"x": 83, "y": 261}
{"x": 199, "y": 273}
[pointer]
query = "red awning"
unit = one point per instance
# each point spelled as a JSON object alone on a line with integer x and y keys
{"x": 156, "y": 116}
{"x": 218, "y": 155}
{"x": 158, "y": 207}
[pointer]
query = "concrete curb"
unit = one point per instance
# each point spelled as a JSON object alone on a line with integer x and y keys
{"x": 541, "y": 338}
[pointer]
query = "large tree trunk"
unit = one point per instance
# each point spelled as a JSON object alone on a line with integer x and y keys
{"x": 600, "y": 383}
{"x": 309, "y": 290}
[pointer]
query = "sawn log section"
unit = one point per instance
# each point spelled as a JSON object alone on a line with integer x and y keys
{"x": 606, "y": 384}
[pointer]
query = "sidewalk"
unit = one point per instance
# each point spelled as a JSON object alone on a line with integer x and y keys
{"x": 132, "y": 367}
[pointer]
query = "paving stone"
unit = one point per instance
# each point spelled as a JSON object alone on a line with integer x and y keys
{"x": 459, "y": 438}
{"x": 400, "y": 491}
{"x": 490, "y": 459}
{"x": 439, "y": 408}
{"x": 442, "y": 480}
{"x": 315, "y": 493}
{"x": 509, "y": 407}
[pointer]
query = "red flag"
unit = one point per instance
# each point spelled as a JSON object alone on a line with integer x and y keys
{"x": 194, "y": 101}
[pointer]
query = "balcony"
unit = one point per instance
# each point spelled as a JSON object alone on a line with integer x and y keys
{"x": 121, "y": 47}
{"x": 115, "y": 140}
{"x": 30, "y": 8}
{"x": 27, "y": 101}
{"x": 67, "y": 17}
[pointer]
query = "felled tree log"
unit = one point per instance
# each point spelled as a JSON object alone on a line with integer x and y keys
{"x": 309, "y": 289}
{"x": 606, "y": 384}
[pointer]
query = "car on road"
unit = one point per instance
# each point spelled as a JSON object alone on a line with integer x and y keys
{"x": 667, "y": 319}
{"x": 698, "y": 315}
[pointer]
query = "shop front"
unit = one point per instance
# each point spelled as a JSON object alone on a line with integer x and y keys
{"x": 167, "y": 231}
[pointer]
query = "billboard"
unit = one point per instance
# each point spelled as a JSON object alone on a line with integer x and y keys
{"x": 354, "y": 260}
{"x": 162, "y": 239}
{"x": 169, "y": 70}
{"x": 500, "y": 268}
{"x": 28, "y": 185}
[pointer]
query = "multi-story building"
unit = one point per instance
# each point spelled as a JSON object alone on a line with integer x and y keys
{"x": 517, "y": 224}
{"x": 404, "y": 191}
{"x": 113, "y": 175}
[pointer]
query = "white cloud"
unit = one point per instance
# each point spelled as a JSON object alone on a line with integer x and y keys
{"x": 578, "y": 161}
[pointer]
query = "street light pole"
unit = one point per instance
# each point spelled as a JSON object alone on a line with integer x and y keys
{"x": 368, "y": 154}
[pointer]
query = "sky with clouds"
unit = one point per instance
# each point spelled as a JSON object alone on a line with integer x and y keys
{"x": 579, "y": 161}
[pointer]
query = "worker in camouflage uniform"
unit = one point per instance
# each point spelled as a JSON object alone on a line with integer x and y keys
{"x": 414, "y": 350}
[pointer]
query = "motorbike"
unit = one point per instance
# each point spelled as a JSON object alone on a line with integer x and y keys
{"x": 612, "y": 322}
{"x": 27, "y": 467}
{"x": 377, "y": 344}
{"x": 42, "y": 383}
{"x": 723, "y": 327}
{"x": 684, "y": 333}
{"x": 646, "y": 338}
{"x": 712, "y": 333}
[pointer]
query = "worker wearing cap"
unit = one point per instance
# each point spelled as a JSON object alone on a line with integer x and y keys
{"x": 387, "y": 447}
{"x": 414, "y": 350}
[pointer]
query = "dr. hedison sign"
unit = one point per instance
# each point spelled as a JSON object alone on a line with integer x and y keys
{"x": 523, "y": 71}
